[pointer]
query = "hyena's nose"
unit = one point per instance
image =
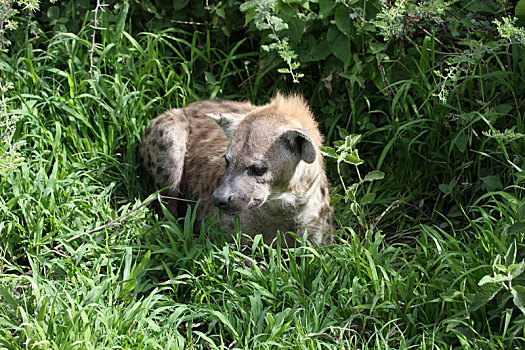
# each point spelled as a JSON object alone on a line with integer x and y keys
{"x": 221, "y": 200}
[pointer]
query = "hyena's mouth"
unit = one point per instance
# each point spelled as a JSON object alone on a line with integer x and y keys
{"x": 236, "y": 210}
{"x": 256, "y": 202}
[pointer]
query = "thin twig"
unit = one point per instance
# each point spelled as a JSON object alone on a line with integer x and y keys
{"x": 428, "y": 160}
{"x": 421, "y": 211}
{"x": 99, "y": 228}
{"x": 178, "y": 199}
{"x": 189, "y": 22}
{"x": 352, "y": 10}
{"x": 386, "y": 82}
{"x": 427, "y": 32}
{"x": 386, "y": 211}
{"x": 107, "y": 224}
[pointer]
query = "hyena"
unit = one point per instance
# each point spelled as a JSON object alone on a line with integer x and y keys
{"x": 262, "y": 163}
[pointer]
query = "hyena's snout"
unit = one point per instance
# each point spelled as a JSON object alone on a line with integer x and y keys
{"x": 236, "y": 194}
{"x": 221, "y": 198}
{"x": 227, "y": 199}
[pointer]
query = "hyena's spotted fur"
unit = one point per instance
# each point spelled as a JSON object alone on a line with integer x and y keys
{"x": 262, "y": 163}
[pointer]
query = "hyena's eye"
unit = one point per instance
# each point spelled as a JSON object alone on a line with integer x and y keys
{"x": 257, "y": 170}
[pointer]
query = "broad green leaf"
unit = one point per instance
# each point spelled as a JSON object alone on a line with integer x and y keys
{"x": 328, "y": 152}
{"x": 53, "y": 12}
{"x": 517, "y": 227}
{"x": 518, "y": 292}
{"x": 484, "y": 294}
{"x": 8, "y": 299}
{"x": 179, "y": 4}
{"x": 295, "y": 29}
{"x": 501, "y": 268}
{"x": 516, "y": 269}
{"x": 374, "y": 175}
{"x": 510, "y": 255}
{"x": 351, "y": 140}
{"x": 340, "y": 45}
{"x": 519, "y": 12}
{"x": 493, "y": 279}
{"x": 344, "y": 22}
{"x": 492, "y": 183}
{"x": 368, "y": 198}
{"x": 445, "y": 188}
{"x": 350, "y": 192}
{"x": 504, "y": 108}
{"x": 343, "y": 133}
{"x": 375, "y": 48}
{"x": 352, "y": 158}
{"x": 460, "y": 141}
{"x": 325, "y": 6}
{"x": 354, "y": 208}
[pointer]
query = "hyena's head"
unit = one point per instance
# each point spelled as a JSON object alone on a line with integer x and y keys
{"x": 265, "y": 151}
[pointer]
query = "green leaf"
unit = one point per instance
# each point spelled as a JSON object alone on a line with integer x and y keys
{"x": 179, "y": 4}
{"x": 510, "y": 255}
{"x": 493, "y": 279}
{"x": 352, "y": 158}
{"x": 504, "y": 108}
{"x": 445, "y": 188}
{"x": 484, "y": 294}
{"x": 53, "y": 12}
{"x": 517, "y": 227}
{"x": 374, "y": 175}
{"x": 328, "y": 152}
{"x": 71, "y": 84}
{"x": 519, "y": 12}
{"x": 518, "y": 292}
{"x": 460, "y": 141}
{"x": 491, "y": 183}
{"x": 368, "y": 198}
{"x": 325, "y": 6}
{"x": 351, "y": 140}
{"x": 350, "y": 192}
{"x": 354, "y": 208}
{"x": 343, "y": 133}
{"x": 375, "y": 48}
{"x": 121, "y": 21}
{"x": 295, "y": 29}
{"x": 517, "y": 269}
{"x": 343, "y": 21}
{"x": 8, "y": 299}
{"x": 340, "y": 45}
{"x": 130, "y": 277}
{"x": 222, "y": 318}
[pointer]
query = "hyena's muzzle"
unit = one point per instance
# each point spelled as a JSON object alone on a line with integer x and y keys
{"x": 237, "y": 192}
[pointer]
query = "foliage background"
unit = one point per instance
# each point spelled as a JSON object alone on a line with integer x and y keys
{"x": 430, "y": 211}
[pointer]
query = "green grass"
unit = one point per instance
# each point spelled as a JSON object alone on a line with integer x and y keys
{"x": 412, "y": 281}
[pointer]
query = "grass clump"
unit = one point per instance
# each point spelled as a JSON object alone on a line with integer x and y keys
{"x": 429, "y": 248}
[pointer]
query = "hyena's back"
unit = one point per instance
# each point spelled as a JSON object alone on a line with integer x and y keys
{"x": 183, "y": 149}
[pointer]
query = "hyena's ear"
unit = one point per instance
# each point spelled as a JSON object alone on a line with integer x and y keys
{"x": 227, "y": 121}
{"x": 299, "y": 140}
